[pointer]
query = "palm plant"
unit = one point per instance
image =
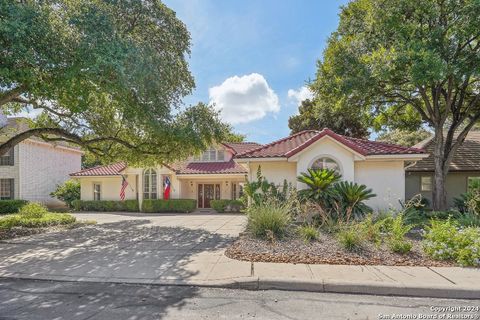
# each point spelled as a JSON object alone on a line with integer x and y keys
{"x": 318, "y": 181}
{"x": 349, "y": 198}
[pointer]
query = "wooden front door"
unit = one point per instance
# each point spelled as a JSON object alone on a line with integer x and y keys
{"x": 207, "y": 193}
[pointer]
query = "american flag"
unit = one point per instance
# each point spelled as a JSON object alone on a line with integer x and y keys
{"x": 122, "y": 189}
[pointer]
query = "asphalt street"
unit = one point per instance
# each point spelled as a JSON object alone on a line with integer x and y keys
{"x": 31, "y": 299}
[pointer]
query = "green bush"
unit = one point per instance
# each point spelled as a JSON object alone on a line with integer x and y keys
{"x": 371, "y": 229}
{"x": 468, "y": 219}
{"x": 267, "y": 220}
{"x": 34, "y": 215}
{"x": 227, "y": 205}
{"x": 106, "y": 205}
{"x": 308, "y": 233}
{"x": 171, "y": 205}
{"x": 445, "y": 240}
{"x": 399, "y": 245}
{"x": 67, "y": 192}
{"x": 350, "y": 238}
{"x": 11, "y": 206}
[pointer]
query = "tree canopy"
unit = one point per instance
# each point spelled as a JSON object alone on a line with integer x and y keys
{"x": 109, "y": 76}
{"x": 416, "y": 57}
{"x": 316, "y": 115}
{"x": 404, "y": 137}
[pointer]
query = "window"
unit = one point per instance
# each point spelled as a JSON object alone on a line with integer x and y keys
{"x": 473, "y": 183}
{"x": 211, "y": 155}
{"x": 150, "y": 184}
{"x": 97, "y": 192}
{"x": 7, "y": 158}
{"x": 326, "y": 163}
{"x": 426, "y": 183}
{"x": 6, "y": 189}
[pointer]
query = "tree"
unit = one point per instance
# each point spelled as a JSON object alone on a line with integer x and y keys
{"x": 317, "y": 114}
{"x": 404, "y": 137}
{"x": 387, "y": 56}
{"x": 109, "y": 76}
{"x": 231, "y": 136}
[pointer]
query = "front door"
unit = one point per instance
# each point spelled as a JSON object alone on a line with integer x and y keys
{"x": 207, "y": 193}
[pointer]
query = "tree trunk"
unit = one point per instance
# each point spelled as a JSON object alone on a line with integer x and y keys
{"x": 439, "y": 195}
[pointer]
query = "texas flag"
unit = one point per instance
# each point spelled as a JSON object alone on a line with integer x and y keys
{"x": 166, "y": 190}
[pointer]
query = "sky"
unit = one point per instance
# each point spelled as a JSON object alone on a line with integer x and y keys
{"x": 251, "y": 59}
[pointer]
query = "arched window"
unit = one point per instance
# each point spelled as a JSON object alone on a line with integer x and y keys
{"x": 149, "y": 184}
{"x": 326, "y": 163}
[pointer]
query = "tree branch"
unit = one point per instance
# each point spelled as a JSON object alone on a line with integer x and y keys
{"x": 11, "y": 94}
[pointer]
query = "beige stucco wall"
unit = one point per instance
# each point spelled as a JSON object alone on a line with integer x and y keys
{"x": 110, "y": 187}
{"x": 386, "y": 179}
{"x": 275, "y": 171}
{"x": 456, "y": 184}
{"x": 326, "y": 147}
{"x": 12, "y": 172}
{"x": 42, "y": 167}
{"x": 189, "y": 186}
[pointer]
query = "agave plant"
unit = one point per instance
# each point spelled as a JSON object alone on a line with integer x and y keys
{"x": 349, "y": 197}
{"x": 318, "y": 181}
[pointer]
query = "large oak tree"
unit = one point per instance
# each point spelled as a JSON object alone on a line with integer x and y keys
{"x": 109, "y": 76}
{"x": 423, "y": 55}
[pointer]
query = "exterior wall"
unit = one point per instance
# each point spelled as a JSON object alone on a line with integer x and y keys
{"x": 326, "y": 147}
{"x": 13, "y": 172}
{"x": 110, "y": 187}
{"x": 189, "y": 186}
{"x": 386, "y": 179}
{"x": 275, "y": 171}
{"x": 456, "y": 184}
{"x": 41, "y": 168}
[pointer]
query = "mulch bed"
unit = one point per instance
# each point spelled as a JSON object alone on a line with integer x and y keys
{"x": 17, "y": 232}
{"x": 326, "y": 250}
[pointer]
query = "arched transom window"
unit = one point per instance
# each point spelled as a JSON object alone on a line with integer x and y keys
{"x": 149, "y": 184}
{"x": 325, "y": 163}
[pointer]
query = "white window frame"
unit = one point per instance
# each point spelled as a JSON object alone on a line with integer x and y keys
{"x": 325, "y": 157}
{"x": 151, "y": 190}
{"x": 426, "y": 183}
{"x": 95, "y": 192}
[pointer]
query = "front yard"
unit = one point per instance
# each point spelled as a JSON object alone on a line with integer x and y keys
{"x": 329, "y": 223}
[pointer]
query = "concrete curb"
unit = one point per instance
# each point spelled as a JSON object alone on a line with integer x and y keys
{"x": 252, "y": 283}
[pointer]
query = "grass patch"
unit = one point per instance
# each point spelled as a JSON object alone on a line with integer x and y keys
{"x": 269, "y": 220}
{"x": 308, "y": 233}
{"x": 350, "y": 238}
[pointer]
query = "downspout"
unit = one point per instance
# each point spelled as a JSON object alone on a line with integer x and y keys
{"x": 410, "y": 165}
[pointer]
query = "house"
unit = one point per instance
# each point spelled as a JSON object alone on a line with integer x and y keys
{"x": 220, "y": 172}
{"x": 464, "y": 169}
{"x": 32, "y": 169}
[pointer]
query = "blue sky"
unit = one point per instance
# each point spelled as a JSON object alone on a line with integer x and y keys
{"x": 252, "y": 58}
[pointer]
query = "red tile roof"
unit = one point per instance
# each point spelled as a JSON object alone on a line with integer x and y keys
{"x": 295, "y": 143}
{"x": 107, "y": 170}
{"x": 241, "y": 147}
{"x": 230, "y": 167}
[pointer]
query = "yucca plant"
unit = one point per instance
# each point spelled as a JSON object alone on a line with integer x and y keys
{"x": 318, "y": 181}
{"x": 349, "y": 197}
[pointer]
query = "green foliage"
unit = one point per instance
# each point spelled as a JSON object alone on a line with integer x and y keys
{"x": 308, "y": 233}
{"x": 318, "y": 182}
{"x": 171, "y": 205}
{"x": 399, "y": 246}
{"x": 227, "y": 205}
{"x": 106, "y": 205}
{"x": 403, "y": 137}
{"x": 349, "y": 197}
{"x": 398, "y": 227}
{"x": 11, "y": 206}
{"x": 34, "y": 215}
{"x": 260, "y": 190}
{"x": 444, "y": 240}
{"x": 371, "y": 229}
{"x": 67, "y": 192}
{"x": 108, "y": 76}
{"x": 350, "y": 238}
{"x": 469, "y": 202}
{"x": 319, "y": 113}
{"x": 269, "y": 220}
{"x": 468, "y": 220}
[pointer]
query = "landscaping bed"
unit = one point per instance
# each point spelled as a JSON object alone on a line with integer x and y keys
{"x": 17, "y": 232}
{"x": 326, "y": 250}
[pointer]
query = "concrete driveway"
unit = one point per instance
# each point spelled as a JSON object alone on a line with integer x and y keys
{"x": 128, "y": 248}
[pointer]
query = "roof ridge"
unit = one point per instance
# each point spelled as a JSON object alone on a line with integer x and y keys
{"x": 276, "y": 141}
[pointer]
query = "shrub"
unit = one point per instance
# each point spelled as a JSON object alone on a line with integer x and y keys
{"x": 308, "y": 233}
{"x": 105, "y": 205}
{"x": 349, "y": 197}
{"x": 371, "y": 229}
{"x": 67, "y": 192}
{"x": 398, "y": 227}
{"x": 350, "y": 238}
{"x": 269, "y": 219}
{"x": 468, "y": 220}
{"x": 33, "y": 211}
{"x": 318, "y": 182}
{"x": 227, "y": 205}
{"x": 11, "y": 206}
{"x": 468, "y": 247}
{"x": 171, "y": 205}
{"x": 399, "y": 245}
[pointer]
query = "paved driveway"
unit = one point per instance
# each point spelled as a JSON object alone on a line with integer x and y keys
{"x": 127, "y": 248}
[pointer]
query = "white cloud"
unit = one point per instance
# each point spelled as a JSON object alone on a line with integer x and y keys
{"x": 299, "y": 95}
{"x": 244, "y": 99}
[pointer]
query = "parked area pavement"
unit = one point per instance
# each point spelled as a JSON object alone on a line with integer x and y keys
{"x": 188, "y": 249}
{"x": 32, "y": 299}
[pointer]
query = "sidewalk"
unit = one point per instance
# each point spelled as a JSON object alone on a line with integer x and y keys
{"x": 214, "y": 269}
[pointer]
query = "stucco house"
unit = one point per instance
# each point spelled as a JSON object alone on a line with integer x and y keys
{"x": 220, "y": 172}
{"x": 465, "y": 168}
{"x": 32, "y": 169}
